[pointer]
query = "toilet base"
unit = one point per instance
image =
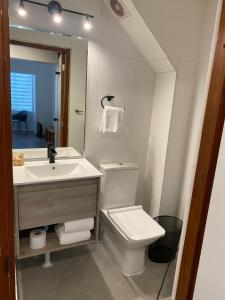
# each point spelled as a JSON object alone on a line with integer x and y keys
{"x": 131, "y": 261}
{"x": 136, "y": 274}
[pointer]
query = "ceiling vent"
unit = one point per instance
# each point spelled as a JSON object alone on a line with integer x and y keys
{"x": 118, "y": 8}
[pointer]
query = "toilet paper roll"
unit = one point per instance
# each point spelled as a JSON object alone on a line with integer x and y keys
{"x": 37, "y": 239}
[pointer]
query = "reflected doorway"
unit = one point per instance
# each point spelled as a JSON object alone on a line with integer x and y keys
{"x": 39, "y": 93}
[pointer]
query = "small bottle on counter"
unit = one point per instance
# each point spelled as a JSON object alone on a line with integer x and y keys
{"x": 18, "y": 159}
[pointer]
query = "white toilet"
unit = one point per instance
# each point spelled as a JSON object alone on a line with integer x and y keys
{"x": 127, "y": 229}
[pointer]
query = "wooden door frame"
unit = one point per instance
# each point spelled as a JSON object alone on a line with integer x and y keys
{"x": 65, "y": 83}
{"x": 7, "y": 270}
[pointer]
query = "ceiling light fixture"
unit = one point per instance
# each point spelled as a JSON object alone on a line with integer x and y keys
{"x": 56, "y": 10}
{"x": 21, "y": 10}
{"x": 87, "y": 23}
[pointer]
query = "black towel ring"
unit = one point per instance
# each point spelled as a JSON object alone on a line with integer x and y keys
{"x": 109, "y": 98}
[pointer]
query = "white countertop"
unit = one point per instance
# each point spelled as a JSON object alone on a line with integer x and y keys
{"x": 79, "y": 168}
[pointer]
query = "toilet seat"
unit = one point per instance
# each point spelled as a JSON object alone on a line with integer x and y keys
{"x": 135, "y": 224}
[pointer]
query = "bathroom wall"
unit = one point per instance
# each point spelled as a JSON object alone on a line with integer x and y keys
{"x": 145, "y": 41}
{"x": 206, "y": 56}
{"x": 158, "y": 140}
{"x": 211, "y": 271}
{"x": 177, "y": 25}
{"x": 115, "y": 67}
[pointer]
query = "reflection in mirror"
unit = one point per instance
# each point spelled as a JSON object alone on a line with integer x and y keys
{"x": 48, "y": 88}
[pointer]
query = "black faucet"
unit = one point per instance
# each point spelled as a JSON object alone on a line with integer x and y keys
{"x": 51, "y": 153}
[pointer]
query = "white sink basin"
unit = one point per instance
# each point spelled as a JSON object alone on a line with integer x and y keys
{"x": 43, "y": 171}
{"x": 52, "y": 170}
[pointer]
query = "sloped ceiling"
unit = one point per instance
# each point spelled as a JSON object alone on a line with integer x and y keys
{"x": 143, "y": 38}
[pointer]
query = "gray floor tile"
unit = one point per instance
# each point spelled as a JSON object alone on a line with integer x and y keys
{"x": 89, "y": 273}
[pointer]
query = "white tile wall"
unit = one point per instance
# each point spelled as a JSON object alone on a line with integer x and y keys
{"x": 208, "y": 43}
{"x": 164, "y": 85}
{"x": 177, "y": 25}
{"x": 158, "y": 140}
{"x": 173, "y": 174}
{"x": 181, "y": 114}
{"x": 144, "y": 39}
{"x": 185, "y": 78}
{"x": 116, "y": 67}
{"x": 199, "y": 99}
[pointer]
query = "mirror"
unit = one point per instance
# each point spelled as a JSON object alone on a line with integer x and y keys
{"x": 48, "y": 90}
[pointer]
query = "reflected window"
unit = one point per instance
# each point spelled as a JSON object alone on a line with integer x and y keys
{"x": 22, "y": 91}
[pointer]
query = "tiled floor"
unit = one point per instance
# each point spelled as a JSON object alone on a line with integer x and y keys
{"x": 88, "y": 273}
{"x": 22, "y": 140}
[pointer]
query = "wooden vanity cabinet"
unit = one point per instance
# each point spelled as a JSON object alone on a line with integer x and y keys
{"x": 38, "y": 205}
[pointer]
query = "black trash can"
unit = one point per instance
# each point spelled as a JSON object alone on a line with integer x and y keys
{"x": 164, "y": 250}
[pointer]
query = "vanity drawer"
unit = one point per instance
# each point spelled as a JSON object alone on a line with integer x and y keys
{"x": 40, "y": 205}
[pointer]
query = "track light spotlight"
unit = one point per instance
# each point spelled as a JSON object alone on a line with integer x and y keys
{"x": 21, "y": 10}
{"x": 87, "y": 24}
{"x": 55, "y": 9}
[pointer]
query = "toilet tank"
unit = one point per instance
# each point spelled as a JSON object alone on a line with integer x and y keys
{"x": 118, "y": 185}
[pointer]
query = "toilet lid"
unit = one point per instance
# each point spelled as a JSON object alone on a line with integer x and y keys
{"x": 135, "y": 223}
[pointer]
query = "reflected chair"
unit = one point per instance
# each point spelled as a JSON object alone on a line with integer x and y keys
{"x": 20, "y": 117}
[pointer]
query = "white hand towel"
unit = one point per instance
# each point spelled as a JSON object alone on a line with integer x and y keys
{"x": 71, "y": 238}
{"x": 79, "y": 225}
{"x": 112, "y": 119}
